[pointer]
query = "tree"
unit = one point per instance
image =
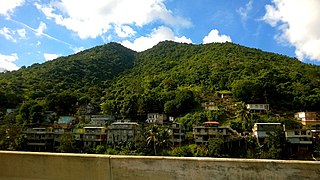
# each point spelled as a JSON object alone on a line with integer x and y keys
{"x": 243, "y": 114}
{"x": 100, "y": 149}
{"x": 67, "y": 143}
{"x": 274, "y": 146}
{"x": 36, "y": 114}
{"x": 215, "y": 147}
{"x": 164, "y": 140}
{"x": 12, "y": 138}
{"x": 153, "y": 137}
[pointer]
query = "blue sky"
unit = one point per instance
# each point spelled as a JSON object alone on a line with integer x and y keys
{"x": 34, "y": 31}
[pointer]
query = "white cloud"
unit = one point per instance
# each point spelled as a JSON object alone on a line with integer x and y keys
{"x": 124, "y": 31}
{"x": 22, "y": 33}
{"x": 92, "y": 18}
{"x": 8, "y": 34}
{"x": 7, "y": 6}
{"x": 48, "y": 56}
{"x": 298, "y": 22}
{"x": 6, "y": 62}
{"x": 13, "y": 35}
{"x": 214, "y": 36}
{"x": 41, "y": 28}
{"x": 160, "y": 34}
{"x": 244, "y": 11}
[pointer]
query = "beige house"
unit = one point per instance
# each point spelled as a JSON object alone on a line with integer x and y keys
{"x": 94, "y": 135}
{"x": 299, "y": 136}
{"x": 300, "y": 141}
{"x": 101, "y": 119}
{"x": 39, "y": 139}
{"x": 121, "y": 131}
{"x": 262, "y": 130}
{"x": 209, "y": 130}
{"x": 258, "y": 107}
{"x": 177, "y": 133}
{"x": 157, "y": 118}
{"x": 308, "y": 119}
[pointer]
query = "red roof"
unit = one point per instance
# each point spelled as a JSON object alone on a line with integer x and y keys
{"x": 212, "y": 122}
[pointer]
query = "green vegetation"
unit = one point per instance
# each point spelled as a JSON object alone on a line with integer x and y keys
{"x": 172, "y": 78}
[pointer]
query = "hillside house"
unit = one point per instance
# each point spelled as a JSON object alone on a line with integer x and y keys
{"x": 94, "y": 135}
{"x": 121, "y": 131}
{"x": 177, "y": 133}
{"x": 300, "y": 141}
{"x": 209, "y": 130}
{"x": 65, "y": 121}
{"x": 262, "y": 130}
{"x": 258, "y": 107}
{"x": 102, "y": 120}
{"x": 39, "y": 139}
{"x": 157, "y": 118}
{"x": 308, "y": 119}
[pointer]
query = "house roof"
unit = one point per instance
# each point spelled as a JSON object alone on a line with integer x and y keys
{"x": 211, "y": 122}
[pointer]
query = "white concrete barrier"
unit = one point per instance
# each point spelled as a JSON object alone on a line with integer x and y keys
{"x": 31, "y": 165}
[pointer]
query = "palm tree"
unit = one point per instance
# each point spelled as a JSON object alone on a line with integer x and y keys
{"x": 153, "y": 135}
{"x": 243, "y": 114}
{"x": 164, "y": 139}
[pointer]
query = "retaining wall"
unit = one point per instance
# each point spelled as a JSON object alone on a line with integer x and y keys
{"x": 31, "y": 165}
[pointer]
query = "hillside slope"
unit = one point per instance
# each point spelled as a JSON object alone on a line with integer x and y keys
{"x": 170, "y": 77}
{"x": 79, "y": 72}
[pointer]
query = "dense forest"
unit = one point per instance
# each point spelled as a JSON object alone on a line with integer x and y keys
{"x": 171, "y": 77}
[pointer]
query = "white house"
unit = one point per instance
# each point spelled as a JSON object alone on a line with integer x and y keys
{"x": 258, "y": 107}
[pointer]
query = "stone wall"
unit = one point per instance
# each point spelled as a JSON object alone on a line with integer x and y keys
{"x": 29, "y": 165}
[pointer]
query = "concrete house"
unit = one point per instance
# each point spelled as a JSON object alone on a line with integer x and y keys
{"x": 102, "y": 120}
{"x": 308, "y": 119}
{"x": 121, "y": 131}
{"x": 157, "y": 118}
{"x": 300, "y": 141}
{"x": 299, "y": 136}
{"x": 39, "y": 139}
{"x": 177, "y": 133}
{"x": 209, "y": 130}
{"x": 94, "y": 135}
{"x": 258, "y": 107}
{"x": 262, "y": 130}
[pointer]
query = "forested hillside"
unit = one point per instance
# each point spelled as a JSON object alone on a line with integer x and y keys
{"x": 174, "y": 78}
{"x": 170, "y": 77}
{"x": 82, "y": 76}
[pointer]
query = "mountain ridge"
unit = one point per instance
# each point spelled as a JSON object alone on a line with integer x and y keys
{"x": 128, "y": 83}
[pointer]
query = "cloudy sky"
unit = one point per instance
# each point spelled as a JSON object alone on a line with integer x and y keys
{"x": 34, "y": 31}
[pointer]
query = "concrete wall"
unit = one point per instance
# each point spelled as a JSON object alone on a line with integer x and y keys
{"x": 28, "y": 165}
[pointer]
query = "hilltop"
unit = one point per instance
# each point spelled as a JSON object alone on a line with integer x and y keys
{"x": 170, "y": 77}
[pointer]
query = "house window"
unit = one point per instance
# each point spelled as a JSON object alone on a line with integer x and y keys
{"x": 296, "y": 133}
{"x": 205, "y": 138}
{"x": 303, "y": 133}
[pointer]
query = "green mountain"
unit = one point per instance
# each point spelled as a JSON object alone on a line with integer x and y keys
{"x": 174, "y": 78}
{"x": 89, "y": 69}
{"x": 170, "y": 77}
